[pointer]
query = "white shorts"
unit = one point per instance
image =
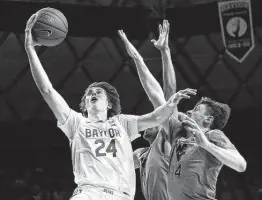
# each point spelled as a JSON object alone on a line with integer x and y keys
{"x": 98, "y": 193}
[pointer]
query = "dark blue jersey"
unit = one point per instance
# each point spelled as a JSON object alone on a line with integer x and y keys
{"x": 193, "y": 171}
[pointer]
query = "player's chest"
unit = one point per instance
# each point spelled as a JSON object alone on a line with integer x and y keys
{"x": 143, "y": 168}
{"x": 108, "y": 129}
{"x": 184, "y": 148}
{"x": 148, "y": 161}
{"x": 101, "y": 139}
{"x": 154, "y": 156}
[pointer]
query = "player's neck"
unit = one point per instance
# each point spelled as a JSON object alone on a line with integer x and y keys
{"x": 150, "y": 141}
{"x": 97, "y": 116}
{"x": 205, "y": 129}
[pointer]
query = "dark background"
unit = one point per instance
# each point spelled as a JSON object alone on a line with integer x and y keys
{"x": 35, "y": 155}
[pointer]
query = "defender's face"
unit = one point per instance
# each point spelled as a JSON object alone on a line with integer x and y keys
{"x": 198, "y": 114}
{"x": 150, "y": 134}
{"x": 96, "y": 98}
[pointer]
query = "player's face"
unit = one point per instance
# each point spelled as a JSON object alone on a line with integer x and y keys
{"x": 198, "y": 114}
{"x": 150, "y": 134}
{"x": 96, "y": 98}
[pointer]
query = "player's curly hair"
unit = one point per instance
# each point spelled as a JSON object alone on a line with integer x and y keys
{"x": 219, "y": 111}
{"x": 112, "y": 95}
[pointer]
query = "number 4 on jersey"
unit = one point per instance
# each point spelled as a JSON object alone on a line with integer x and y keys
{"x": 178, "y": 171}
{"x": 111, "y": 148}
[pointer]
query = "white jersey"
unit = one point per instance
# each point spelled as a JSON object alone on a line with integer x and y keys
{"x": 102, "y": 154}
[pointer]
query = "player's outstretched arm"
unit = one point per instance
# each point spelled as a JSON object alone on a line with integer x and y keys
{"x": 217, "y": 144}
{"x": 54, "y": 100}
{"x": 148, "y": 81}
{"x": 230, "y": 157}
{"x": 221, "y": 147}
{"x": 162, "y": 113}
{"x": 169, "y": 77}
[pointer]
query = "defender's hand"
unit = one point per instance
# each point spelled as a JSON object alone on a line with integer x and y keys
{"x": 162, "y": 42}
{"x": 182, "y": 94}
{"x": 192, "y": 127}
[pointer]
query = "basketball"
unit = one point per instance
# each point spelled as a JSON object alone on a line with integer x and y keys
{"x": 51, "y": 27}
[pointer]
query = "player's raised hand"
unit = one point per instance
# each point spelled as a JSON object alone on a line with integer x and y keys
{"x": 29, "y": 41}
{"x": 192, "y": 127}
{"x": 182, "y": 94}
{"x": 162, "y": 42}
{"x": 131, "y": 50}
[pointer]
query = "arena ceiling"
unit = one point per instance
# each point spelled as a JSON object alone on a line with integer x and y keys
{"x": 93, "y": 52}
{"x": 122, "y": 3}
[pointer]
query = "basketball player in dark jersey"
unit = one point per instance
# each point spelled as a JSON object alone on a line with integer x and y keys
{"x": 153, "y": 161}
{"x": 199, "y": 150}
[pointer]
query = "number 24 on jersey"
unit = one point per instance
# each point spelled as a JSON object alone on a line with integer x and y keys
{"x": 103, "y": 150}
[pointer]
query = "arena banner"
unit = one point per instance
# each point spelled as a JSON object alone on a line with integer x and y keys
{"x": 237, "y": 28}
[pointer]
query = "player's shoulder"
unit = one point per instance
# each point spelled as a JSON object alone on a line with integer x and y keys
{"x": 80, "y": 116}
{"x": 75, "y": 113}
{"x": 119, "y": 116}
{"x": 161, "y": 130}
{"x": 140, "y": 152}
{"x": 175, "y": 120}
{"x": 162, "y": 133}
{"x": 217, "y": 135}
{"x": 125, "y": 117}
{"x": 179, "y": 117}
{"x": 215, "y": 132}
{"x": 74, "y": 116}
{"x": 182, "y": 114}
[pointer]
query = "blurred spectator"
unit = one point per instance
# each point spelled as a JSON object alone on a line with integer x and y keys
{"x": 56, "y": 183}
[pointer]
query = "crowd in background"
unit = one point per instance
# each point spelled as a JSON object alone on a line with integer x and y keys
{"x": 36, "y": 167}
{"x": 54, "y": 181}
{"x": 34, "y": 184}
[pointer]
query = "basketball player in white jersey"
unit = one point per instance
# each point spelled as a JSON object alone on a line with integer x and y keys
{"x": 100, "y": 137}
{"x": 153, "y": 161}
{"x": 199, "y": 150}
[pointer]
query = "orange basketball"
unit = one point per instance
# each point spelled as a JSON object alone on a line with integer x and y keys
{"x": 50, "y": 28}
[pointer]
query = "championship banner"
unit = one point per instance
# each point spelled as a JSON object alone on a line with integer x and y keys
{"x": 237, "y": 28}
